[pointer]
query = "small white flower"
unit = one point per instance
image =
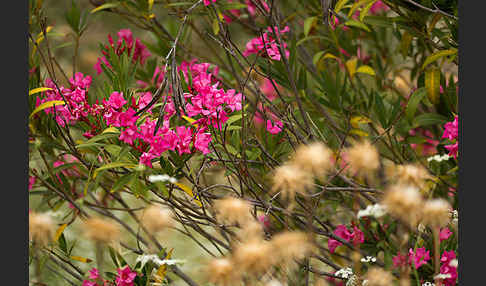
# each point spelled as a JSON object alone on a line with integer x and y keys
{"x": 344, "y": 272}
{"x": 365, "y": 282}
{"x": 428, "y": 284}
{"x": 162, "y": 178}
{"x": 368, "y": 259}
{"x": 155, "y": 259}
{"x": 375, "y": 210}
{"x": 439, "y": 158}
{"x": 352, "y": 280}
{"x": 442, "y": 276}
{"x": 421, "y": 227}
{"x": 453, "y": 263}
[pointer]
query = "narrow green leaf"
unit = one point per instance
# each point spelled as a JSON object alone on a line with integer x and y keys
{"x": 437, "y": 55}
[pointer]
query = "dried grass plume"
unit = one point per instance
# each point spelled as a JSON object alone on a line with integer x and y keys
{"x": 100, "y": 230}
{"x": 404, "y": 203}
{"x": 378, "y": 277}
{"x": 233, "y": 211}
{"x": 156, "y": 219}
{"x": 314, "y": 158}
{"x": 41, "y": 228}
{"x": 436, "y": 213}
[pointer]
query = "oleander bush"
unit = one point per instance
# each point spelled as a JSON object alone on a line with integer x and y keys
{"x": 243, "y": 142}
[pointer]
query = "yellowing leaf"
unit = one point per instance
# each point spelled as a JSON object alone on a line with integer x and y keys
{"x": 355, "y": 121}
{"x": 366, "y": 69}
{"x": 188, "y": 119}
{"x": 339, "y": 5}
{"x": 437, "y": 55}
{"x": 40, "y": 37}
{"x": 356, "y": 5}
{"x": 111, "y": 130}
{"x": 188, "y": 191}
{"x": 351, "y": 65}
{"x": 329, "y": 56}
{"x": 432, "y": 84}
{"x": 150, "y": 4}
{"x": 161, "y": 272}
{"x": 39, "y": 89}
{"x": 359, "y": 132}
{"x": 405, "y": 43}
{"x": 215, "y": 26}
{"x": 105, "y": 6}
{"x": 59, "y": 232}
{"x": 47, "y": 104}
{"x": 365, "y": 10}
{"x": 81, "y": 259}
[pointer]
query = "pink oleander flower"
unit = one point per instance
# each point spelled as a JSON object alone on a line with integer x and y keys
{"x": 274, "y": 128}
{"x": 446, "y": 268}
{"x": 202, "y": 142}
{"x": 100, "y": 61}
{"x": 267, "y": 43}
{"x": 419, "y": 257}
{"x": 116, "y": 100}
{"x": 89, "y": 283}
{"x": 252, "y": 8}
{"x": 444, "y": 234}
{"x": 356, "y": 237}
{"x": 31, "y": 182}
{"x": 264, "y": 220}
{"x": 399, "y": 260}
{"x": 93, "y": 274}
{"x": 451, "y": 132}
{"x": 80, "y": 81}
{"x": 125, "y": 276}
{"x": 129, "y": 135}
{"x": 185, "y": 139}
{"x": 267, "y": 89}
{"x": 207, "y": 2}
{"x": 377, "y": 7}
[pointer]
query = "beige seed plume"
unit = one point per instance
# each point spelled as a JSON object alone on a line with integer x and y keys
{"x": 232, "y": 211}
{"x": 363, "y": 158}
{"x": 221, "y": 271}
{"x": 291, "y": 245}
{"x": 100, "y": 230}
{"x": 254, "y": 257}
{"x": 314, "y": 158}
{"x": 156, "y": 219}
{"x": 378, "y": 277}
{"x": 290, "y": 179}
{"x": 436, "y": 213}
{"x": 404, "y": 203}
{"x": 41, "y": 228}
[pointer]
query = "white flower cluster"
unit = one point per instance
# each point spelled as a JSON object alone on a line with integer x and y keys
{"x": 438, "y": 158}
{"x": 352, "y": 280}
{"x": 375, "y": 210}
{"x": 428, "y": 284}
{"x": 144, "y": 258}
{"x": 344, "y": 272}
{"x": 455, "y": 217}
{"x": 162, "y": 178}
{"x": 368, "y": 259}
{"x": 442, "y": 276}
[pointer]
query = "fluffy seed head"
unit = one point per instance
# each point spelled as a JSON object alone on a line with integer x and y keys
{"x": 404, "y": 203}
{"x": 291, "y": 245}
{"x": 436, "y": 213}
{"x": 232, "y": 211}
{"x": 221, "y": 271}
{"x": 314, "y": 158}
{"x": 41, "y": 228}
{"x": 254, "y": 257}
{"x": 100, "y": 230}
{"x": 411, "y": 174}
{"x": 378, "y": 277}
{"x": 251, "y": 230}
{"x": 363, "y": 158}
{"x": 156, "y": 218}
{"x": 290, "y": 179}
